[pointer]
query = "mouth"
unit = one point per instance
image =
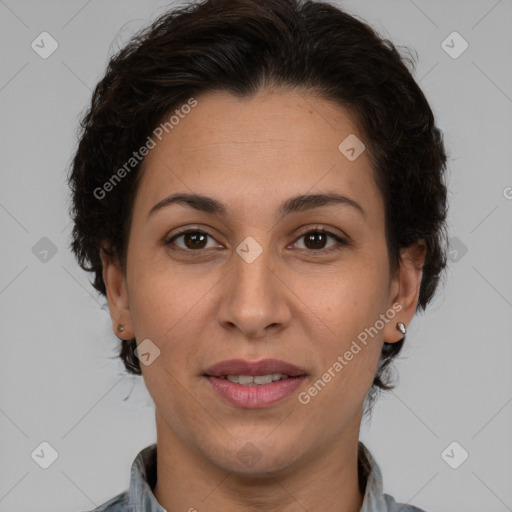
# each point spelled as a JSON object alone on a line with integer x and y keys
{"x": 254, "y": 384}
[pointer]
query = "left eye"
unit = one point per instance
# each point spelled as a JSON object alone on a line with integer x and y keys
{"x": 319, "y": 237}
{"x": 314, "y": 240}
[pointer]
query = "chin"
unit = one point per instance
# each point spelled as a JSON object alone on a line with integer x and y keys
{"x": 254, "y": 456}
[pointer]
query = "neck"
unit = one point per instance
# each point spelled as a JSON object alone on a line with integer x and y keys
{"x": 327, "y": 480}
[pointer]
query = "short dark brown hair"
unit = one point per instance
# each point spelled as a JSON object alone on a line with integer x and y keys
{"x": 240, "y": 46}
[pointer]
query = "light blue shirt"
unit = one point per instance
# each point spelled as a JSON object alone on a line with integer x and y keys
{"x": 140, "y": 498}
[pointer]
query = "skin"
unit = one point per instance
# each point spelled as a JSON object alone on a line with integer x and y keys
{"x": 290, "y": 303}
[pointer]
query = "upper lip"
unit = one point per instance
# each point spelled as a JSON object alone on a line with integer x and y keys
{"x": 253, "y": 368}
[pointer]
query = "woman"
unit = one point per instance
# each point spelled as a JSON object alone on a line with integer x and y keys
{"x": 259, "y": 192}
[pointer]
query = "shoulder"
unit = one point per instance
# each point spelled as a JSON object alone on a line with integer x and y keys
{"x": 118, "y": 503}
{"x": 393, "y": 506}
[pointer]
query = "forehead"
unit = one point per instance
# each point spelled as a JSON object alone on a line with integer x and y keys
{"x": 275, "y": 144}
{"x": 272, "y": 120}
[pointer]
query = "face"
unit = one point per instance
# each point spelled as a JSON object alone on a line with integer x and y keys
{"x": 259, "y": 277}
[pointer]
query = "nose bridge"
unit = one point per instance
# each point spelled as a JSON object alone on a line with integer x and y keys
{"x": 252, "y": 268}
{"x": 254, "y": 297}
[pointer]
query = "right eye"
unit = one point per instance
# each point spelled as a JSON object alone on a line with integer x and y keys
{"x": 193, "y": 240}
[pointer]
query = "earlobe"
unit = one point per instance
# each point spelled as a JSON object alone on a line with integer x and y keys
{"x": 117, "y": 295}
{"x": 405, "y": 289}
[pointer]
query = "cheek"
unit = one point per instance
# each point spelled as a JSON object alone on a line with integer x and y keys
{"x": 349, "y": 299}
{"x": 349, "y": 305}
{"x": 164, "y": 300}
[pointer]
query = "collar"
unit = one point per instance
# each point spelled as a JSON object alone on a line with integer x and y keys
{"x": 143, "y": 480}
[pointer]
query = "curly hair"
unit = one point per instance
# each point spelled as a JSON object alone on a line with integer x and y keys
{"x": 240, "y": 46}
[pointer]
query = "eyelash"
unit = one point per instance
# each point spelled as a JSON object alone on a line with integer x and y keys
{"x": 341, "y": 241}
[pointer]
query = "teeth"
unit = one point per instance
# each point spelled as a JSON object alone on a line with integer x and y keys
{"x": 263, "y": 379}
{"x": 248, "y": 380}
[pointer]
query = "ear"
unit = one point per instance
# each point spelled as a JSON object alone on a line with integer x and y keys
{"x": 405, "y": 289}
{"x": 117, "y": 295}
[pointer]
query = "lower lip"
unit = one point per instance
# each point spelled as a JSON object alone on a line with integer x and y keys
{"x": 255, "y": 397}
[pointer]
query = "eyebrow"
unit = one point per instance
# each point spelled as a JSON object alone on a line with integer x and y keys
{"x": 292, "y": 205}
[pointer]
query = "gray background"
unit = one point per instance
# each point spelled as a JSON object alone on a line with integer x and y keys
{"x": 60, "y": 380}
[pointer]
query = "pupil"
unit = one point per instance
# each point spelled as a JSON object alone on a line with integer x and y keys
{"x": 195, "y": 238}
{"x": 318, "y": 237}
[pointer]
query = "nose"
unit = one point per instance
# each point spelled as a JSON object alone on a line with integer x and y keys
{"x": 255, "y": 300}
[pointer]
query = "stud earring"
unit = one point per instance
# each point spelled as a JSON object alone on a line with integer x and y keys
{"x": 401, "y": 327}
{"x": 120, "y": 328}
